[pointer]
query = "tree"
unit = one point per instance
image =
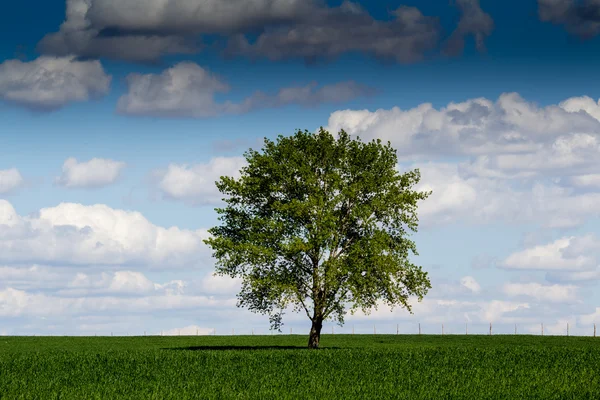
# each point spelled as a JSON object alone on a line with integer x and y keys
{"x": 315, "y": 223}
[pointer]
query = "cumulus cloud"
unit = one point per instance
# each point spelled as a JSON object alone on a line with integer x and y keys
{"x": 10, "y": 180}
{"x": 477, "y": 127}
{"x": 195, "y": 184}
{"x": 188, "y": 90}
{"x": 465, "y": 288}
{"x": 551, "y": 293}
{"x": 590, "y": 318}
{"x": 561, "y": 254}
{"x": 49, "y": 83}
{"x": 436, "y": 310}
{"x": 459, "y": 196}
{"x": 579, "y": 255}
{"x": 580, "y": 18}
{"x": 286, "y": 28}
{"x": 474, "y": 21}
{"x": 19, "y": 303}
{"x": 470, "y": 283}
{"x": 132, "y": 283}
{"x": 97, "y": 172}
{"x": 75, "y": 234}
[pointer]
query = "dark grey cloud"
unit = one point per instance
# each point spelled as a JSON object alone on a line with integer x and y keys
{"x": 349, "y": 28}
{"x": 580, "y": 18}
{"x": 146, "y": 30}
{"x": 474, "y": 21}
{"x": 136, "y": 48}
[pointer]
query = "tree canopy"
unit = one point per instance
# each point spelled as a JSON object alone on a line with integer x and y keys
{"x": 318, "y": 223}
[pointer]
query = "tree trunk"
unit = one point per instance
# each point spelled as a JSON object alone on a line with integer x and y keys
{"x": 315, "y": 333}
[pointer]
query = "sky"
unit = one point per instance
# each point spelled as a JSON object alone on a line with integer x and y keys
{"x": 117, "y": 117}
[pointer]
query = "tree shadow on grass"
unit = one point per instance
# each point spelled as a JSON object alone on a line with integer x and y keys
{"x": 196, "y": 348}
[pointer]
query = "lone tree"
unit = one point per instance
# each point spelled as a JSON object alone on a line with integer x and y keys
{"x": 315, "y": 223}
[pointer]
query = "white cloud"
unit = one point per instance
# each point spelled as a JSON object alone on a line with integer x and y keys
{"x": 557, "y": 328}
{"x": 584, "y": 181}
{"x": 552, "y": 256}
{"x": 470, "y": 283}
{"x": 591, "y": 318}
{"x": 220, "y": 285}
{"x": 97, "y": 172}
{"x": 437, "y": 310}
{"x": 459, "y": 196}
{"x": 36, "y": 277}
{"x": 479, "y": 127}
{"x": 495, "y": 310}
{"x": 188, "y": 90}
{"x": 466, "y": 288}
{"x": 10, "y": 179}
{"x": 552, "y": 293}
{"x": 18, "y": 303}
{"x": 582, "y": 104}
{"x": 195, "y": 184}
{"x": 75, "y": 234}
{"x": 132, "y": 283}
{"x": 49, "y": 83}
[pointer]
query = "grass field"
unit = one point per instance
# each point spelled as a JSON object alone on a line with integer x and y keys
{"x": 269, "y": 367}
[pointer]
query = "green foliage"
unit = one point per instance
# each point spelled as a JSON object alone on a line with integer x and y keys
{"x": 254, "y": 367}
{"x": 317, "y": 223}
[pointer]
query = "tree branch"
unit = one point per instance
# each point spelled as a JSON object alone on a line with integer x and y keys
{"x": 334, "y": 304}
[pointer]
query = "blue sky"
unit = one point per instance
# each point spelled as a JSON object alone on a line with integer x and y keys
{"x": 110, "y": 118}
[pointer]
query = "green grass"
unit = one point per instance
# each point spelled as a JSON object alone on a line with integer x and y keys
{"x": 269, "y": 367}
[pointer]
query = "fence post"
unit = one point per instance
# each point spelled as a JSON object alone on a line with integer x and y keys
{"x": 419, "y": 328}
